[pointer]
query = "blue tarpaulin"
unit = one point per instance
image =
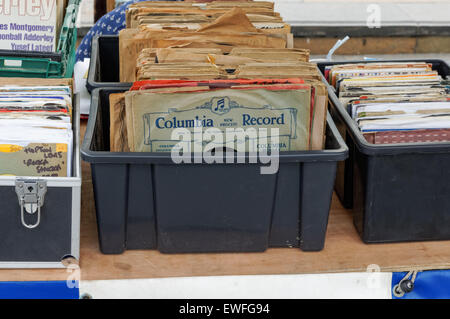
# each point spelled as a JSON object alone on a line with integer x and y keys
{"x": 432, "y": 284}
{"x": 37, "y": 290}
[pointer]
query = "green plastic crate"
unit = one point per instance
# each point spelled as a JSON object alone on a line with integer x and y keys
{"x": 43, "y": 67}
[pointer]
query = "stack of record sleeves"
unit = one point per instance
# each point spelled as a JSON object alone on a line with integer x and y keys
{"x": 35, "y": 130}
{"x": 395, "y": 102}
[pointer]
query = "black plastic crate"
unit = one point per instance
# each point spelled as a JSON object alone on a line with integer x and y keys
{"x": 104, "y": 65}
{"x": 398, "y": 192}
{"x": 145, "y": 201}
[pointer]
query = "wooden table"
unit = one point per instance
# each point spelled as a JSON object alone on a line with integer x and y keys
{"x": 343, "y": 252}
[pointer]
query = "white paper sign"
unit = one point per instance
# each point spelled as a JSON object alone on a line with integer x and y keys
{"x": 28, "y": 25}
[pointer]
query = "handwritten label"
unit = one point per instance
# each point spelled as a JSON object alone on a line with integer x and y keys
{"x": 35, "y": 160}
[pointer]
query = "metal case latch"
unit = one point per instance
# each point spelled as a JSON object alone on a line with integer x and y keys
{"x": 31, "y": 198}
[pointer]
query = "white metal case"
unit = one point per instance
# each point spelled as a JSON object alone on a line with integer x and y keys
{"x": 56, "y": 235}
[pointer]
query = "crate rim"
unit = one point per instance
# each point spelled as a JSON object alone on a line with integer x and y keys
{"x": 91, "y": 83}
{"x": 90, "y": 156}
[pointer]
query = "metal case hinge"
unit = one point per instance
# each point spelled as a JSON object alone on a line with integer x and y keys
{"x": 31, "y": 198}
